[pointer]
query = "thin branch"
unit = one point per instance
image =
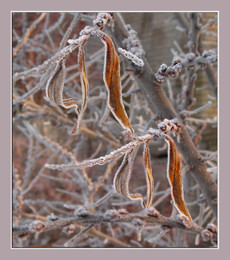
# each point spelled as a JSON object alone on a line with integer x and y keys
{"x": 28, "y": 33}
{"x": 107, "y": 158}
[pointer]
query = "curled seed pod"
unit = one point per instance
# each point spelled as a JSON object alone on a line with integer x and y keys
{"x": 55, "y": 85}
{"x": 122, "y": 177}
{"x": 113, "y": 82}
{"x": 84, "y": 86}
{"x": 175, "y": 179}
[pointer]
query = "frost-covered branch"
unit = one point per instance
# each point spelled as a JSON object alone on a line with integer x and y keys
{"x": 150, "y": 218}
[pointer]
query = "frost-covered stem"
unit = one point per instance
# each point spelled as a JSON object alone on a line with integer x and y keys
{"x": 69, "y": 30}
{"x": 52, "y": 28}
{"x": 107, "y": 158}
{"x": 94, "y": 219}
{"x": 158, "y": 101}
{"x": 74, "y": 239}
{"x": 199, "y": 109}
{"x": 188, "y": 90}
{"x": 189, "y": 87}
{"x": 211, "y": 78}
{"x": 194, "y": 33}
{"x": 210, "y": 74}
{"x": 182, "y": 21}
{"x": 56, "y": 148}
{"x": 50, "y": 62}
{"x": 41, "y": 84}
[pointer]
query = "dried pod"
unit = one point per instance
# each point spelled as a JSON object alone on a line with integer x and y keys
{"x": 55, "y": 85}
{"x": 148, "y": 174}
{"x": 175, "y": 179}
{"x": 84, "y": 86}
{"x": 122, "y": 177}
{"x": 113, "y": 82}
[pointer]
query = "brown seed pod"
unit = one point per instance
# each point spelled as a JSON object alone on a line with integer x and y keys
{"x": 84, "y": 87}
{"x": 122, "y": 177}
{"x": 55, "y": 85}
{"x": 175, "y": 179}
{"x": 113, "y": 82}
{"x": 148, "y": 174}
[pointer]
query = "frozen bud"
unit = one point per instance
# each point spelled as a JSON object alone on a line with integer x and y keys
{"x": 175, "y": 121}
{"x": 69, "y": 229}
{"x": 206, "y": 53}
{"x": 52, "y": 217}
{"x": 24, "y": 236}
{"x": 163, "y": 68}
{"x": 178, "y": 67}
{"x": 102, "y": 20}
{"x": 172, "y": 72}
{"x": 159, "y": 78}
{"x": 162, "y": 126}
{"x": 206, "y": 235}
{"x": 128, "y": 27}
{"x": 212, "y": 228}
{"x": 81, "y": 212}
{"x": 184, "y": 220}
{"x": 210, "y": 55}
{"x": 202, "y": 65}
{"x": 152, "y": 212}
{"x": 191, "y": 67}
{"x": 190, "y": 56}
{"x": 167, "y": 122}
{"x": 123, "y": 212}
{"x": 112, "y": 213}
{"x": 87, "y": 30}
{"x": 137, "y": 222}
{"x": 176, "y": 60}
{"x": 37, "y": 226}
